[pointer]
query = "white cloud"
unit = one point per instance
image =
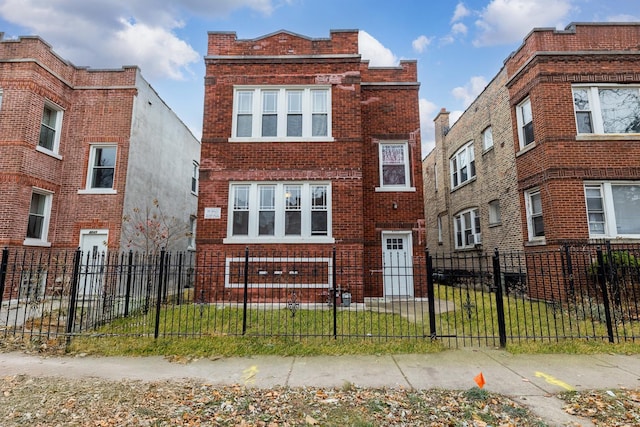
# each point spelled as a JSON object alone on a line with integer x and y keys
{"x": 421, "y": 43}
{"x": 374, "y": 51}
{"x": 459, "y": 28}
{"x": 508, "y": 21}
{"x": 460, "y": 12}
{"x": 143, "y": 42}
{"x": 121, "y": 32}
{"x": 470, "y": 91}
{"x": 427, "y": 127}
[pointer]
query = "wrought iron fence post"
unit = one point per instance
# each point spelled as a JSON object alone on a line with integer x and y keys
{"x": 127, "y": 296}
{"x": 497, "y": 282}
{"x": 159, "y": 300}
{"x": 431, "y": 299}
{"x": 245, "y": 295}
{"x": 75, "y": 278}
{"x": 567, "y": 257}
{"x": 335, "y": 295}
{"x": 602, "y": 279}
{"x": 3, "y": 271}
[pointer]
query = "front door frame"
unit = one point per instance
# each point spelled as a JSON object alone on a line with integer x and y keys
{"x": 395, "y": 282}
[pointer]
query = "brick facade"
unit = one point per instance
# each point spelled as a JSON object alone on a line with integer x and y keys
{"x": 495, "y": 179}
{"x": 588, "y": 62}
{"x": 368, "y": 105}
{"x": 97, "y": 107}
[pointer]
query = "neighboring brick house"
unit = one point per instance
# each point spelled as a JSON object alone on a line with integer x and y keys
{"x": 569, "y": 149}
{"x": 82, "y": 148}
{"x": 471, "y": 197}
{"x": 307, "y": 148}
{"x": 575, "y": 105}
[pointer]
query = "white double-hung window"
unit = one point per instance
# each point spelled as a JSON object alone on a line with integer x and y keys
{"x": 281, "y": 113}
{"x": 276, "y": 211}
{"x": 463, "y": 165}
{"x": 101, "y": 169}
{"x": 467, "y": 229}
{"x": 394, "y": 166}
{"x": 607, "y": 109}
{"x": 50, "y": 128}
{"x": 524, "y": 118}
{"x": 535, "y": 220}
{"x": 612, "y": 209}
{"x": 39, "y": 218}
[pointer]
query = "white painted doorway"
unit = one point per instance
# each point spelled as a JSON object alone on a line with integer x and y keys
{"x": 397, "y": 259}
{"x": 93, "y": 245}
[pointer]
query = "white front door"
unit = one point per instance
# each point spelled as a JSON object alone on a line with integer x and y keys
{"x": 93, "y": 245}
{"x": 397, "y": 259}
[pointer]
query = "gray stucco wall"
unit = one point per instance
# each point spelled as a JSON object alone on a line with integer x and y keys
{"x": 160, "y": 165}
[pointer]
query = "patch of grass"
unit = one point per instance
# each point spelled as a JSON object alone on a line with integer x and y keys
{"x": 245, "y": 346}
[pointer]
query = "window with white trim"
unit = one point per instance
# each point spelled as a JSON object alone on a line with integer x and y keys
{"x": 101, "y": 170}
{"x": 394, "y": 165}
{"x": 467, "y": 229}
{"x": 281, "y": 113}
{"x": 607, "y": 109}
{"x": 535, "y": 222}
{"x": 612, "y": 209}
{"x": 195, "y": 176}
{"x": 487, "y": 138}
{"x": 0, "y": 98}
{"x": 50, "y": 127}
{"x": 524, "y": 117}
{"x": 39, "y": 217}
{"x": 463, "y": 165}
{"x": 439, "y": 229}
{"x": 275, "y": 210}
{"x": 494, "y": 212}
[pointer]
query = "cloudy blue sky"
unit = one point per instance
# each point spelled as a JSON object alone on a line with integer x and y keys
{"x": 459, "y": 45}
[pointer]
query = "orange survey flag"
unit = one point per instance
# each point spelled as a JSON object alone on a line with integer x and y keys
{"x": 479, "y": 379}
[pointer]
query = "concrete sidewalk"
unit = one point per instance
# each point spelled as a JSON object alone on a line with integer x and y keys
{"x": 531, "y": 380}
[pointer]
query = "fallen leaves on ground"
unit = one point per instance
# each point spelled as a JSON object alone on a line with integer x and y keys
{"x": 611, "y": 408}
{"x": 49, "y": 401}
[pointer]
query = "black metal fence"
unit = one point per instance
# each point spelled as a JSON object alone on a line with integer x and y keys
{"x": 574, "y": 292}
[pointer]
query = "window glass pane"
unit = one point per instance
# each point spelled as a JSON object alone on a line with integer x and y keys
{"x": 266, "y": 221}
{"x": 294, "y": 101}
{"x": 393, "y": 175}
{"x": 36, "y": 216}
{"x": 318, "y": 197}
{"x": 269, "y": 102}
{"x": 583, "y": 119}
{"x": 620, "y": 109}
{"x": 626, "y": 201}
{"x": 294, "y": 125}
{"x": 293, "y": 223}
{"x": 494, "y": 212}
{"x": 319, "y": 223}
{"x": 241, "y": 197}
{"x": 528, "y": 133}
{"x": 103, "y": 168}
{"x": 267, "y": 197}
{"x": 536, "y": 203}
{"x": 526, "y": 112}
{"x": 319, "y": 125}
{"x": 581, "y": 99}
{"x": 48, "y": 128}
{"x": 245, "y": 102}
{"x": 487, "y": 138}
{"x": 319, "y": 98}
{"x": 244, "y": 125}
{"x": 241, "y": 223}
{"x": 269, "y": 125}
{"x": 538, "y": 226}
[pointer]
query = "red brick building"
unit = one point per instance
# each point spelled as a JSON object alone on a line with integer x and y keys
{"x": 575, "y": 98}
{"x": 307, "y": 148}
{"x": 563, "y": 162}
{"x": 82, "y": 148}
